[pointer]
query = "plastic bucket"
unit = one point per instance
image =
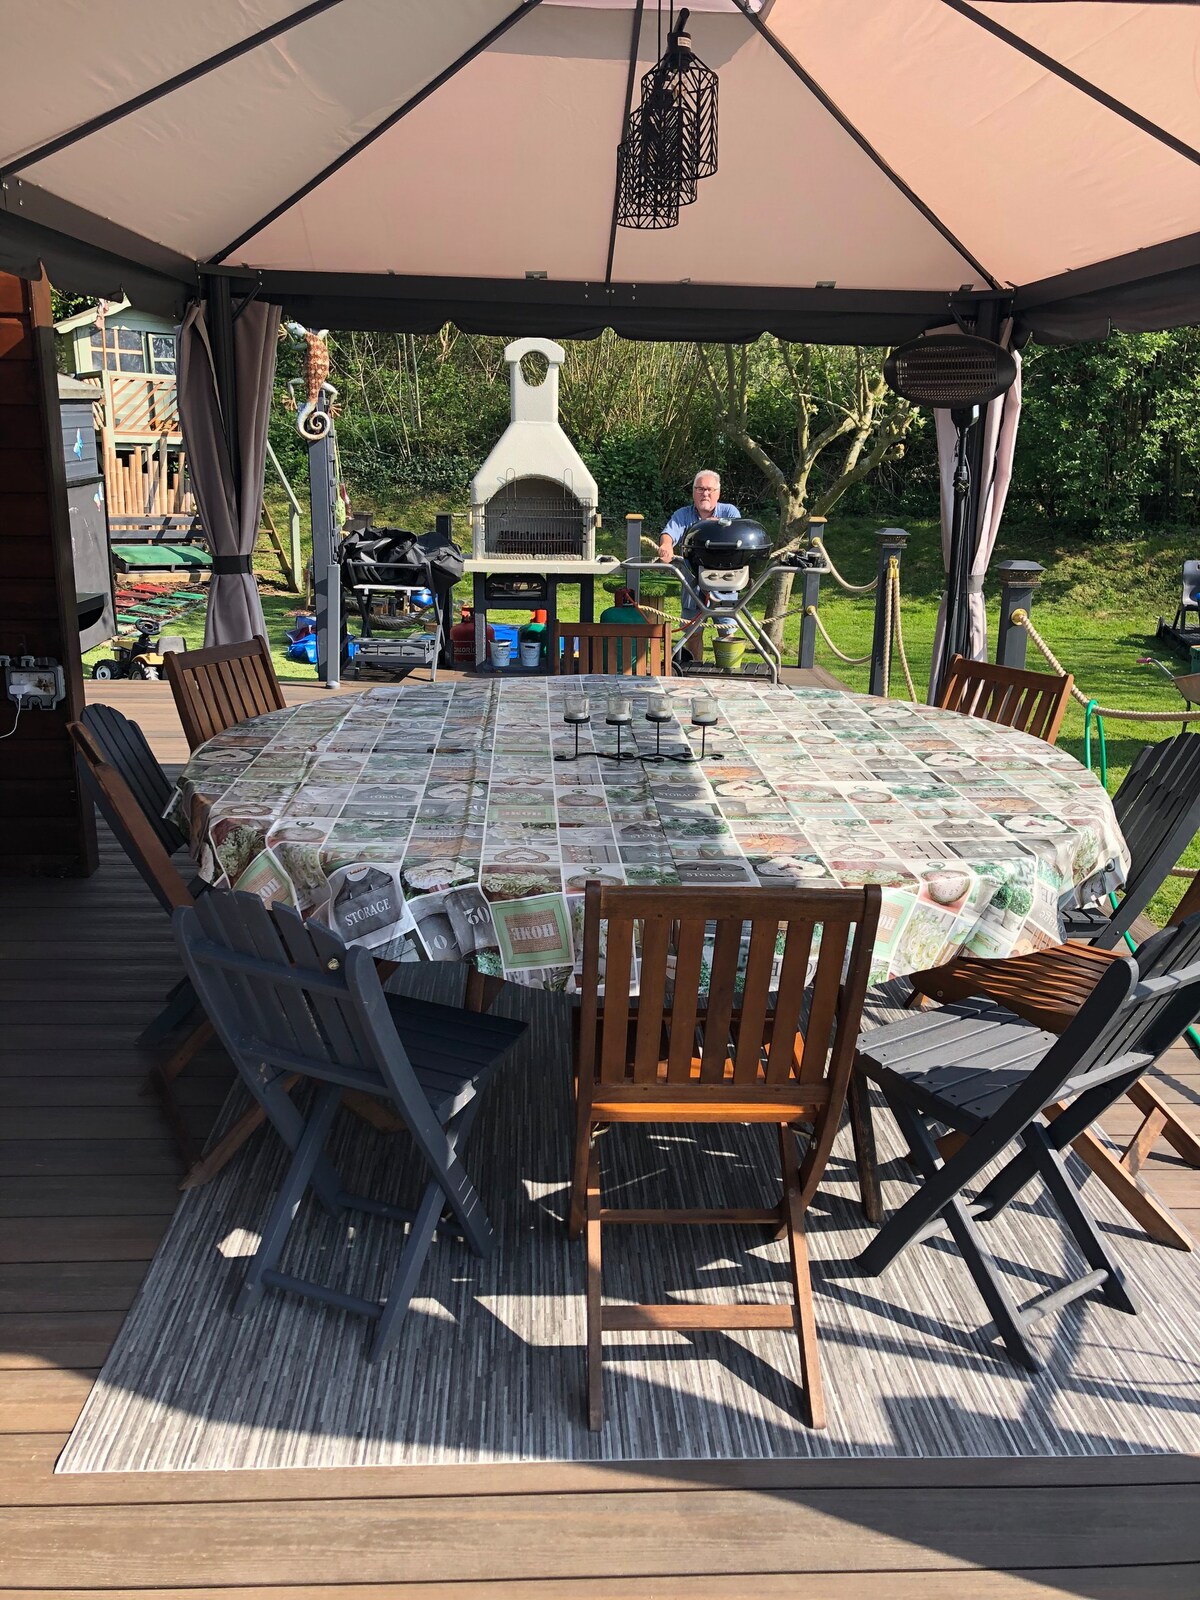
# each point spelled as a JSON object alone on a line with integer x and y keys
{"x": 531, "y": 652}
{"x": 500, "y": 652}
{"x": 729, "y": 652}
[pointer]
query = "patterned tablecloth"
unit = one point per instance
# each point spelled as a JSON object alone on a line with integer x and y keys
{"x": 439, "y": 812}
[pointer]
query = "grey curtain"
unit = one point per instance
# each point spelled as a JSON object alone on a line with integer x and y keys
{"x": 230, "y": 520}
{"x": 999, "y": 423}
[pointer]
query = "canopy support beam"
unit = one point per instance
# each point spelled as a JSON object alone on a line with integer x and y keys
{"x": 497, "y": 32}
{"x": 860, "y": 139}
{"x": 105, "y": 119}
{"x": 1084, "y": 85}
{"x": 634, "y": 40}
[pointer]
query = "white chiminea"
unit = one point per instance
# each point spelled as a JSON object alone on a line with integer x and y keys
{"x": 533, "y": 502}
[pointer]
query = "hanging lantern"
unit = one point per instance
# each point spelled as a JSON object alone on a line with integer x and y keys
{"x": 670, "y": 139}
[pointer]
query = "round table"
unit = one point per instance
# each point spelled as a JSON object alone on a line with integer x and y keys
{"x": 451, "y": 814}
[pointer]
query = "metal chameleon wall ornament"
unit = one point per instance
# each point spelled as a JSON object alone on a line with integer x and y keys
{"x": 311, "y": 422}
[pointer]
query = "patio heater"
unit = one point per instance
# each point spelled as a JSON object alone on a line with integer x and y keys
{"x": 959, "y": 373}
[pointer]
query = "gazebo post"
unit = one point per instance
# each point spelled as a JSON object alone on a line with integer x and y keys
{"x": 891, "y": 543}
{"x": 1018, "y": 580}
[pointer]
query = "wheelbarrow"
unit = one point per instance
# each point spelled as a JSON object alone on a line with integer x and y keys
{"x": 1188, "y": 683}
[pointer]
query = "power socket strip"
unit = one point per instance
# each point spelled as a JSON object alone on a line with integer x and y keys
{"x": 34, "y": 684}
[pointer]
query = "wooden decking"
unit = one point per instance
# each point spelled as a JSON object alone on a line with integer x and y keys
{"x": 87, "y": 1182}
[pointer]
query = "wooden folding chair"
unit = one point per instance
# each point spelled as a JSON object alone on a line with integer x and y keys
{"x": 1047, "y": 988}
{"x": 624, "y": 649}
{"x": 219, "y": 687}
{"x": 289, "y": 999}
{"x": 994, "y": 1080}
{"x": 731, "y": 1048}
{"x": 1030, "y": 702}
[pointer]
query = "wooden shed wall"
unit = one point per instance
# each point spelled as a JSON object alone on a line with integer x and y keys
{"x": 45, "y": 824}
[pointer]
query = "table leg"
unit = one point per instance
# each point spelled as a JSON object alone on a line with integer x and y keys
{"x": 479, "y": 604}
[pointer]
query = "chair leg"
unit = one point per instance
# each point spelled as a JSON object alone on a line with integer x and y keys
{"x": 595, "y": 1325}
{"x": 404, "y": 1281}
{"x": 207, "y": 1166}
{"x": 1175, "y": 1131}
{"x": 964, "y": 1230}
{"x": 291, "y": 1192}
{"x": 584, "y": 1135}
{"x": 862, "y": 1131}
{"x": 1113, "y": 1291}
{"x": 420, "y": 1240}
{"x": 806, "y": 1321}
{"x": 1128, "y": 1189}
{"x": 180, "y": 1003}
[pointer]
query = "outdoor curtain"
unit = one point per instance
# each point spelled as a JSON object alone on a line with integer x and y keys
{"x": 999, "y": 444}
{"x": 230, "y": 520}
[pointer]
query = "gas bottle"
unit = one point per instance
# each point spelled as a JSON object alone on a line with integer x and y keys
{"x": 462, "y": 638}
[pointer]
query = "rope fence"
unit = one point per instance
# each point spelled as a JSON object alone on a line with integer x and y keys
{"x": 1021, "y": 619}
{"x": 850, "y": 588}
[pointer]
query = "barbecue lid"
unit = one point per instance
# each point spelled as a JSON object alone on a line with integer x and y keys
{"x": 715, "y": 542}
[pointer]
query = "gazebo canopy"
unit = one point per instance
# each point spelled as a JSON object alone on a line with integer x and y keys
{"x": 397, "y": 163}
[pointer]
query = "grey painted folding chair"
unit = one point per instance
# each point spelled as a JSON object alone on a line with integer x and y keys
{"x": 1158, "y": 808}
{"x": 986, "y": 1074}
{"x": 287, "y": 998}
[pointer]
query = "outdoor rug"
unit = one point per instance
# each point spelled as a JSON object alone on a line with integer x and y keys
{"x": 489, "y": 1366}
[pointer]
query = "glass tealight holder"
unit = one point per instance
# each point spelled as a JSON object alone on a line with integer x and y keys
{"x": 576, "y": 714}
{"x": 619, "y": 715}
{"x": 658, "y": 711}
{"x": 704, "y": 716}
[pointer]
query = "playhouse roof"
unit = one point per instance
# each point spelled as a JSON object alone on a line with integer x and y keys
{"x": 394, "y": 162}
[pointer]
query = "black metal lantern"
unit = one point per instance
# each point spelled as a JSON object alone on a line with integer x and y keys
{"x": 670, "y": 139}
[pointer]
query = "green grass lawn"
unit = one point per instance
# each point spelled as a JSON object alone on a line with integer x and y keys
{"x": 1097, "y": 607}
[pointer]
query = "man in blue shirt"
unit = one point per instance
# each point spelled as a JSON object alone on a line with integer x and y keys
{"x": 706, "y": 503}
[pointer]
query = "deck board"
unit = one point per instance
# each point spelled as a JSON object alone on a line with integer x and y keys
{"x": 87, "y": 1180}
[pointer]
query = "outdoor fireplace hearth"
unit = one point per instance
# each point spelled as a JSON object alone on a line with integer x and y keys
{"x": 533, "y": 502}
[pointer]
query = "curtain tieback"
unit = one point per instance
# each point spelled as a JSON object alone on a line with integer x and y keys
{"x": 230, "y": 566}
{"x": 974, "y": 585}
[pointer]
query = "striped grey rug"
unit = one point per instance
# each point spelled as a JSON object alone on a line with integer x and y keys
{"x": 490, "y": 1363}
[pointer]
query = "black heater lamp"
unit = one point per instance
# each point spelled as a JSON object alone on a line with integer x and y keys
{"x": 959, "y": 373}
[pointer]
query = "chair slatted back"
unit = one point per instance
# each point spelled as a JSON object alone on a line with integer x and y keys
{"x": 750, "y": 994}
{"x": 219, "y": 687}
{"x": 125, "y": 747}
{"x": 1137, "y": 1010}
{"x": 119, "y": 807}
{"x": 1030, "y": 702}
{"x": 1158, "y": 809}
{"x": 287, "y": 996}
{"x": 624, "y": 649}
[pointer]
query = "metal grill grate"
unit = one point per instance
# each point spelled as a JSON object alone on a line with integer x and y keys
{"x": 536, "y": 518}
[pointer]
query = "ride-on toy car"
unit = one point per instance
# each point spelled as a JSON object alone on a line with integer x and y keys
{"x": 142, "y": 658}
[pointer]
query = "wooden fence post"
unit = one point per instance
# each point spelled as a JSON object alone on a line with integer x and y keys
{"x": 891, "y": 543}
{"x": 1018, "y": 580}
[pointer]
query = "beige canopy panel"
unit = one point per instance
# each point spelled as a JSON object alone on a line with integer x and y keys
{"x": 391, "y": 162}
